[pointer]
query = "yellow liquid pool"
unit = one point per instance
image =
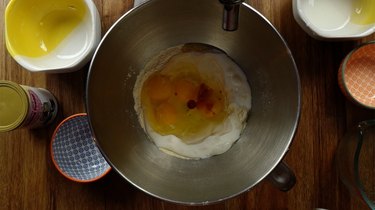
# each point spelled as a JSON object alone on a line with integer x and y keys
{"x": 34, "y": 28}
{"x": 363, "y": 12}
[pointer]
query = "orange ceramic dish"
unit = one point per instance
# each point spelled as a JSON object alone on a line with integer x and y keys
{"x": 357, "y": 75}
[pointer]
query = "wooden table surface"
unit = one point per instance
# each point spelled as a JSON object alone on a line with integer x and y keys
{"x": 29, "y": 180}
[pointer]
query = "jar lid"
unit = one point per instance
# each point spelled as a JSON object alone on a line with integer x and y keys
{"x": 13, "y": 105}
{"x": 357, "y": 75}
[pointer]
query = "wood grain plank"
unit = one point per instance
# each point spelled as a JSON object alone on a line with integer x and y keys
{"x": 28, "y": 179}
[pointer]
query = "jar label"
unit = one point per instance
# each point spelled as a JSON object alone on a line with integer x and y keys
{"x": 42, "y": 107}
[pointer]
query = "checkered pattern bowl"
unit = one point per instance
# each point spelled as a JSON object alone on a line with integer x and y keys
{"x": 74, "y": 152}
{"x": 356, "y": 76}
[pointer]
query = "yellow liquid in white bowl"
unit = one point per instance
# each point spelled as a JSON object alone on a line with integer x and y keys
{"x": 34, "y": 28}
{"x": 363, "y": 12}
{"x": 332, "y": 15}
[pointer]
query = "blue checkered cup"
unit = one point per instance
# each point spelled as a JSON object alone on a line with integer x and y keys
{"x": 74, "y": 152}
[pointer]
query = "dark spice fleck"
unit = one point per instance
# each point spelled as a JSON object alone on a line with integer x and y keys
{"x": 191, "y": 104}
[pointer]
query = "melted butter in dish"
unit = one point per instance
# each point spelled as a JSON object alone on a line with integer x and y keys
{"x": 35, "y": 28}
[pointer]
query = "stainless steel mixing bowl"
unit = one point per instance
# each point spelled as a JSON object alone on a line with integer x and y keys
{"x": 159, "y": 24}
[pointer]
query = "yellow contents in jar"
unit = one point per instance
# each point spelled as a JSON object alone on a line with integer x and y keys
{"x": 363, "y": 12}
{"x": 34, "y": 28}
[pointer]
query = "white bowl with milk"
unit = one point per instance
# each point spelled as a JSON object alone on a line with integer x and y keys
{"x": 335, "y": 19}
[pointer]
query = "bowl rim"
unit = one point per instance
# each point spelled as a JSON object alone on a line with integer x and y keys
{"x": 57, "y": 165}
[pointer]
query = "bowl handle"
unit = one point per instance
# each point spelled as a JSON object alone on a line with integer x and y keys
{"x": 282, "y": 177}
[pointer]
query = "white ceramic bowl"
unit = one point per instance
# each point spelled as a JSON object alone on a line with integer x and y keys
{"x": 335, "y": 19}
{"x": 71, "y": 53}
